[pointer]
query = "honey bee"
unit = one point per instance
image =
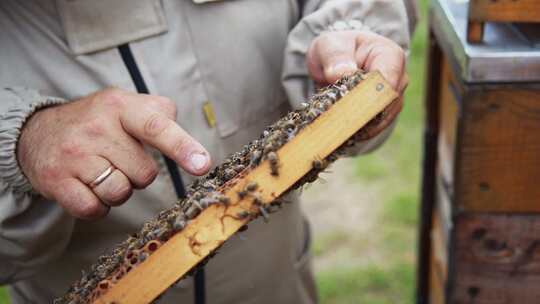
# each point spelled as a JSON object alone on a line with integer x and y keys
{"x": 318, "y": 164}
{"x": 251, "y": 186}
{"x": 264, "y": 214}
{"x": 241, "y": 194}
{"x": 255, "y": 158}
{"x": 243, "y": 215}
{"x": 223, "y": 199}
{"x": 273, "y": 159}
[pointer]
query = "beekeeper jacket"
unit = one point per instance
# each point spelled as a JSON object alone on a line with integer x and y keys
{"x": 242, "y": 59}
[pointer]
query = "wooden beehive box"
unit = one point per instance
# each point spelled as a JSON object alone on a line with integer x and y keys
{"x": 481, "y": 199}
{"x": 511, "y": 11}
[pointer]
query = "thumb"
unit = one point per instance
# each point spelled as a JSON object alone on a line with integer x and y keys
{"x": 332, "y": 56}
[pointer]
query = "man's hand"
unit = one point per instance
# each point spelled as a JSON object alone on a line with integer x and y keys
{"x": 63, "y": 150}
{"x": 336, "y": 54}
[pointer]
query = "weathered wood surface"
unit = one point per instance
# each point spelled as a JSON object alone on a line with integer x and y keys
{"x": 448, "y": 117}
{"x": 475, "y": 31}
{"x": 496, "y": 259}
{"x": 440, "y": 240}
{"x": 481, "y": 11}
{"x": 436, "y": 284}
{"x": 504, "y": 10}
{"x": 217, "y": 223}
{"x": 499, "y": 152}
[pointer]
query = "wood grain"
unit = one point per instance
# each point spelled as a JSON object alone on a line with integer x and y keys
{"x": 448, "y": 117}
{"x": 499, "y": 152}
{"x": 496, "y": 259}
{"x": 475, "y": 31}
{"x": 504, "y": 10}
{"x": 217, "y": 223}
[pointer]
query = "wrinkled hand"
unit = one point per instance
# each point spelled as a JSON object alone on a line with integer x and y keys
{"x": 335, "y": 54}
{"x": 63, "y": 149}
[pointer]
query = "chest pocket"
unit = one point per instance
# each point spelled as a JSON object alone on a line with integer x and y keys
{"x": 240, "y": 45}
{"x": 94, "y": 25}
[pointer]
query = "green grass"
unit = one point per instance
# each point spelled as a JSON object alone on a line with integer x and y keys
{"x": 371, "y": 284}
{"x": 394, "y": 170}
{"x": 3, "y": 296}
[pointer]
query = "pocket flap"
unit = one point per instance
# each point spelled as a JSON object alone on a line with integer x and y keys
{"x": 94, "y": 25}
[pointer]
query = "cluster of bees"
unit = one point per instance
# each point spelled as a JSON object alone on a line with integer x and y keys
{"x": 208, "y": 190}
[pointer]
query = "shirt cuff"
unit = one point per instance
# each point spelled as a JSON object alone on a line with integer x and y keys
{"x": 11, "y": 124}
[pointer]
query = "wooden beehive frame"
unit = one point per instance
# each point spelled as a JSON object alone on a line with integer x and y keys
{"x": 217, "y": 223}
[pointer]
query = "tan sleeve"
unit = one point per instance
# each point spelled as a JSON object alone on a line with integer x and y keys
{"x": 33, "y": 231}
{"x": 17, "y": 104}
{"x": 393, "y": 19}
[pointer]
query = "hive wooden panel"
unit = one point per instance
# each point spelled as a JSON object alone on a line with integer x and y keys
{"x": 217, "y": 223}
{"x": 438, "y": 261}
{"x": 448, "y": 118}
{"x": 504, "y": 10}
{"x": 498, "y": 166}
{"x": 481, "y": 11}
{"x": 496, "y": 259}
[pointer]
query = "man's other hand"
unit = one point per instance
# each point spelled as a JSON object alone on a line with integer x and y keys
{"x": 88, "y": 154}
{"x": 337, "y": 53}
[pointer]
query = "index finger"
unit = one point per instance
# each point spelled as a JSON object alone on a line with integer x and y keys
{"x": 159, "y": 131}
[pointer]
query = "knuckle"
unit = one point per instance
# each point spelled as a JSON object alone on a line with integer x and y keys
{"x": 71, "y": 148}
{"x": 155, "y": 125}
{"x": 113, "y": 97}
{"x": 180, "y": 147}
{"x": 167, "y": 105}
{"x": 165, "y": 100}
{"x": 51, "y": 171}
{"x": 94, "y": 128}
{"x": 146, "y": 174}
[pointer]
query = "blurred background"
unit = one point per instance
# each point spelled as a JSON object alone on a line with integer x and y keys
{"x": 364, "y": 216}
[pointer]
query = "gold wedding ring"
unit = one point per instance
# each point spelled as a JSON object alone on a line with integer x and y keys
{"x": 103, "y": 176}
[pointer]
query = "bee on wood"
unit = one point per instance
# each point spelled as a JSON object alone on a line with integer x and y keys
{"x": 257, "y": 200}
{"x": 192, "y": 212}
{"x": 343, "y": 90}
{"x": 229, "y": 173}
{"x": 318, "y": 164}
{"x": 179, "y": 223}
{"x": 268, "y": 148}
{"x": 243, "y": 215}
{"x": 273, "y": 159}
{"x": 251, "y": 186}
{"x": 207, "y": 201}
{"x": 209, "y": 185}
{"x": 239, "y": 168}
{"x": 255, "y": 158}
{"x": 223, "y": 199}
{"x": 142, "y": 257}
{"x": 243, "y": 228}
{"x": 197, "y": 204}
{"x": 332, "y": 95}
{"x": 312, "y": 114}
{"x": 289, "y": 124}
{"x": 264, "y": 214}
{"x": 241, "y": 194}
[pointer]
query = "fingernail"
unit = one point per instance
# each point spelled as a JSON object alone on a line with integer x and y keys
{"x": 198, "y": 161}
{"x": 343, "y": 68}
